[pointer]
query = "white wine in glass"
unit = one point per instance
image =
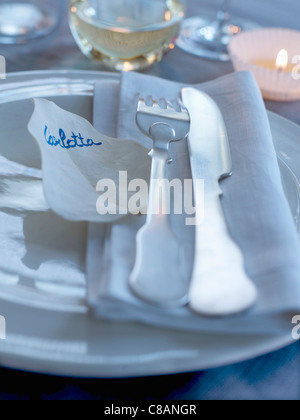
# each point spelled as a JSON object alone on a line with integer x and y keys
{"x": 126, "y": 34}
{"x": 209, "y": 38}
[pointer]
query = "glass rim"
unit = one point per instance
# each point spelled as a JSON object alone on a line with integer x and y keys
{"x": 127, "y": 29}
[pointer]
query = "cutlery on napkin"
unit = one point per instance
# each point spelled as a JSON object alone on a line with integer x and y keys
{"x": 266, "y": 237}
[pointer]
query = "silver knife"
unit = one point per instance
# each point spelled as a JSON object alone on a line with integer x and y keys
{"x": 220, "y": 285}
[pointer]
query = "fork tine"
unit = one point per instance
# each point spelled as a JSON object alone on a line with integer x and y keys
{"x": 156, "y": 105}
{"x": 173, "y": 109}
{"x": 169, "y": 105}
{"x": 175, "y": 105}
{"x": 141, "y": 103}
{"x": 149, "y": 101}
{"x": 183, "y": 108}
{"x": 163, "y": 103}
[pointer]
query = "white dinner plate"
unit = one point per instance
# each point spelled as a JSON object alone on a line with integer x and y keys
{"x": 53, "y": 332}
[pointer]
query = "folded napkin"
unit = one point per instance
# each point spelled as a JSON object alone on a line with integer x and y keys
{"x": 257, "y": 212}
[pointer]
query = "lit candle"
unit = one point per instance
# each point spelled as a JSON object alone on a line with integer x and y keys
{"x": 275, "y": 69}
{"x": 281, "y": 63}
{"x": 282, "y": 60}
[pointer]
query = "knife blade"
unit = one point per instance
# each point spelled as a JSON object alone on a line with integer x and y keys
{"x": 219, "y": 285}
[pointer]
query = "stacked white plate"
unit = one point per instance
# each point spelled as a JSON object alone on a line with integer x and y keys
{"x": 49, "y": 329}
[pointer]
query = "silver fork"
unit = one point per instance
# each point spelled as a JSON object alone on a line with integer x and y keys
{"x": 158, "y": 276}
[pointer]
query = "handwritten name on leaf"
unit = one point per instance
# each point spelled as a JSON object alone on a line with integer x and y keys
{"x": 73, "y": 141}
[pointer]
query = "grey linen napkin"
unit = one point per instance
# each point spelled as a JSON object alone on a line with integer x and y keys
{"x": 256, "y": 210}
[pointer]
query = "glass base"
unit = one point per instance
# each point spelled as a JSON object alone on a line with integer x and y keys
{"x": 21, "y": 22}
{"x": 203, "y": 37}
{"x": 134, "y": 64}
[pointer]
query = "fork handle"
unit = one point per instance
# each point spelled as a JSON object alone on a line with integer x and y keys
{"x": 159, "y": 201}
{"x": 159, "y": 204}
{"x": 157, "y": 276}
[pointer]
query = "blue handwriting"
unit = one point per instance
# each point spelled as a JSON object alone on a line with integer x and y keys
{"x": 63, "y": 142}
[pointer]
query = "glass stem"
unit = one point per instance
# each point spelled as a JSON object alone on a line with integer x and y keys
{"x": 224, "y": 15}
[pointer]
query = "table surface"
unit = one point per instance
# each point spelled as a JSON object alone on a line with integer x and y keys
{"x": 274, "y": 376}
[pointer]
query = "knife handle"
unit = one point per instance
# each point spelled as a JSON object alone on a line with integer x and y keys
{"x": 220, "y": 285}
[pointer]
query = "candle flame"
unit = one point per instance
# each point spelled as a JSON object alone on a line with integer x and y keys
{"x": 282, "y": 60}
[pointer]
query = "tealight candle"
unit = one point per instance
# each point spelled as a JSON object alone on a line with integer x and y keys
{"x": 281, "y": 63}
{"x": 260, "y": 51}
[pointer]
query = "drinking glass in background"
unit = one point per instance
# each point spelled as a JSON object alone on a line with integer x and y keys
{"x": 126, "y": 34}
{"x": 22, "y": 21}
{"x": 209, "y": 38}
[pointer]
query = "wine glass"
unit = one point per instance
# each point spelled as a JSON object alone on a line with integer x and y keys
{"x": 208, "y": 38}
{"x": 24, "y": 20}
{"x": 126, "y": 34}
